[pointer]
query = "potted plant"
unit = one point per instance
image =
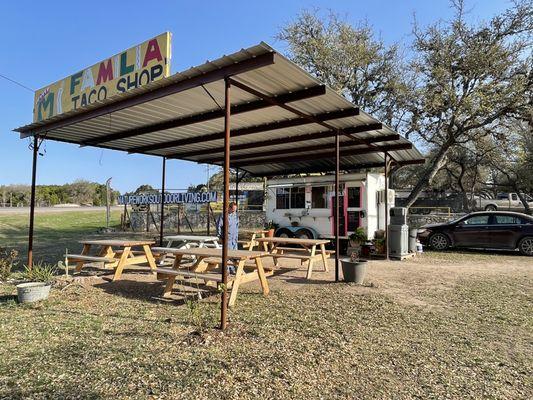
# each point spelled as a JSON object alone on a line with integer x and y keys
{"x": 379, "y": 245}
{"x": 354, "y": 269}
{"x": 271, "y": 227}
{"x": 39, "y": 280}
{"x": 356, "y": 240}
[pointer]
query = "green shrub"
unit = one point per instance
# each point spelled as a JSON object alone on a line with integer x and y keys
{"x": 40, "y": 272}
{"x": 8, "y": 260}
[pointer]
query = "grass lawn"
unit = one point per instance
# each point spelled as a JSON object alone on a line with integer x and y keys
{"x": 54, "y": 231}
{"x": 455, "y": 326}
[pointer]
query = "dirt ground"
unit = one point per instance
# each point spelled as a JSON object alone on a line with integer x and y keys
{"x": 442, "y": 325}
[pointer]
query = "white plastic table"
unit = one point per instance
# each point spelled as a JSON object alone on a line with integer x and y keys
{"x": 189, "y": 241}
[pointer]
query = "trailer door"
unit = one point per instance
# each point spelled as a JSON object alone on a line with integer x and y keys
{"x": 342, "y": 212}
{"x": 354, "y": 206}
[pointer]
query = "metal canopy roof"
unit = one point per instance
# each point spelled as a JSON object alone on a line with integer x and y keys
{"x": 283, "y": 120}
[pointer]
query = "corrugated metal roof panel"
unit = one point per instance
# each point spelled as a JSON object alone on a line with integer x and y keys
{"x": 205, "y": 135}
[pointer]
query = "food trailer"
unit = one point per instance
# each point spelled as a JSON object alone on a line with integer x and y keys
{"x": 304, "y": 206}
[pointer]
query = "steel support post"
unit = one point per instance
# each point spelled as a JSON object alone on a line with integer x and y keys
{"x": 336, "y": 222}
{"x": 237, "y": 188}
{"x": 227, "y": 134}
{"x": 162, "y": 219}
{"x": 32, "y": 200}
{"x": 386, "y": 206}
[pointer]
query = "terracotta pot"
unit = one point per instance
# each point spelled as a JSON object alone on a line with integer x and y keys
{"x": 270, "y": 233}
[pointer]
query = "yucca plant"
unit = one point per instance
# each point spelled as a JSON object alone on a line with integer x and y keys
{"x": 40, "y": 272}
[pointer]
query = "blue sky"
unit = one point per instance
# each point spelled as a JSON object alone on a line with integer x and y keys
{"x": 42, "y": 42}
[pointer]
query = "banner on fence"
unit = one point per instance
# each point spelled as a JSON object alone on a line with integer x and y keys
{"x": 170, "y": 198}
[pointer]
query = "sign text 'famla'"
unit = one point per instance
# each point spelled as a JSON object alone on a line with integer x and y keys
{"x": 137, "y": 66}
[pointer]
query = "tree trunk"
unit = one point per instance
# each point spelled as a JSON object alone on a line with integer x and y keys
{"x": 523, "y": 200}
{"x": 435, "y": 165}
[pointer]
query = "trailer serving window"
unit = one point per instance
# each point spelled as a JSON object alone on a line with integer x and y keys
{"x": 319, "y": 196}
{"x": 298, "y": 197}
{"x": 282, "y": 198}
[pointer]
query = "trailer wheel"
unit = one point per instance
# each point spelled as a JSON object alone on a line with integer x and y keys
{"x": 304, "y": 234}
{"x": 284, "y": 233}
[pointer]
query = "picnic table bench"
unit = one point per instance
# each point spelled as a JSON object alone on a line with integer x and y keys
{"x": 114, "y": 253}
{"x": 207, "y": 267}
{"x": 251, "y": 243}
{"x": 306, "y": 253}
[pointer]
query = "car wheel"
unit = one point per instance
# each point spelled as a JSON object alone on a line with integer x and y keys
{"x": 439, "y": 241}
{"x": 490, "y": 207}
{"x": 303, "y": 234}
{"x": 526, "y": 246}
{"x": 284, "y": 233}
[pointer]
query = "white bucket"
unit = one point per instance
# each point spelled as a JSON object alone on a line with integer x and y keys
{"x": 33, "y": 291}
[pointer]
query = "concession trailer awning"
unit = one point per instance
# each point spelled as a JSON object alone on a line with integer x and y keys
{"x": 253, "y": 110}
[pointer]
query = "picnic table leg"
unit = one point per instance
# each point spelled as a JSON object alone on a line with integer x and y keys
{"x": 265, "y": 245}
{"x": 150, "y": 258}
{"x": 107, "y": 251}
{"x": 172, "y": 278}
{"x": 177, "y": 261}
{"x": 311, "y": 261}
{"x": 121, "y": 263}
{"x": 164, "y": 256}
{"x": 200, "y": 265}
{"x": 324, "y": 257}
{"x": 273, "y": 252}
{"x": 262, "y": 276}
{"x": 168, "y": 286}
{"x": 236, "y": 283}
{"x": 85, "y": 251}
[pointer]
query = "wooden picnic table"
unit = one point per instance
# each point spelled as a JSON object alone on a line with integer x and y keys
{"x": 188, "y": 241}
{"x": 306, "y": 246}
{"x": 252, "y": 242}
{"x": 116, "y": 253}
{"x": 209, "y": 259}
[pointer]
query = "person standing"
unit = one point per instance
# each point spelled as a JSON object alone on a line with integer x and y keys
{"x": 233, "y": 229}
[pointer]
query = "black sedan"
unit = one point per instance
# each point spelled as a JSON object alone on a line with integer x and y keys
{"x": 489, "y": 229}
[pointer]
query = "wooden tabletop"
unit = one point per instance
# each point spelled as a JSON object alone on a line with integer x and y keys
{"x": 210, "y": 252}
{"x": 118, "y": 242}
{"x": 191, "y": 238}
{"x": 258, "y": 230}
{"x": 309, "y": 242}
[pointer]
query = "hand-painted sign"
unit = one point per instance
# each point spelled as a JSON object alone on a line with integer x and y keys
{"x": 170, "y": 198}
{"x": 137, "y": 66}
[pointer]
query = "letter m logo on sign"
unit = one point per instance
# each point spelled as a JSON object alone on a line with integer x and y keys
{"x": 47, "y": 102}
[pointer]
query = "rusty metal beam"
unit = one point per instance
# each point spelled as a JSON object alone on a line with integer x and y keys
{"x": 295, "y": 139}
{"x": 209, "y": 115}
{"x": 287, "y": 107}
{"x": 236, "y": 68}
{"x": 342, "y": 167}
{"x": 244, "y": 131}
{"x": 323, "y": 155}
{"x": 302, "y": 114}
{"x": 286, "y": 151}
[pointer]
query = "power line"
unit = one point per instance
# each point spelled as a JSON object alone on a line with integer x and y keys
{"x": 16, "y": 83}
